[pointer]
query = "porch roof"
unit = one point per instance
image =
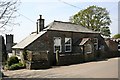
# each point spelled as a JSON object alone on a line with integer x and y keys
{"x": 84, "y": 40}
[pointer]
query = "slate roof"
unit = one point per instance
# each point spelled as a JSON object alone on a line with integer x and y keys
{"x": 67, "y": 26}
{"x": 29, "y": 39}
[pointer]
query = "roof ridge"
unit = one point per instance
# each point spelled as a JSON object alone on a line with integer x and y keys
{"x": 64, "y": 22}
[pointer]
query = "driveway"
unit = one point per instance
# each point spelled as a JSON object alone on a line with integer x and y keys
{"x": 97, "y": 69}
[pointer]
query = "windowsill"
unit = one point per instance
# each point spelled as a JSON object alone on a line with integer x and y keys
{"x": 55, "y": 52}
{"x": 67, "y": 51}
{"x": 88, "y": 52}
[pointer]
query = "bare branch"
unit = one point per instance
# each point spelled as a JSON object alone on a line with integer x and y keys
{"x": 7, "y": 10}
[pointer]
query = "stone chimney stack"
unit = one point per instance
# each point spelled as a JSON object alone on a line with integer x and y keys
{"x": 37, "y": 27}
{"x": 40, "y": 24}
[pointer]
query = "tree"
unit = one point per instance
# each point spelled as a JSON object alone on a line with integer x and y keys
{"x": 94, "y": 18}
{"x": 7, "y": 13}
{"x": 116, "y": 36}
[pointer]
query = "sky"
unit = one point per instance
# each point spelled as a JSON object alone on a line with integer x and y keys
{"x": 30, "y": 10}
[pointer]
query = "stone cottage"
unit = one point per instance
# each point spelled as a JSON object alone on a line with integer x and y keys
{"x": 74, "y": 42}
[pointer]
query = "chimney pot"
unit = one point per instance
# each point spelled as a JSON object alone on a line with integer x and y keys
{"x": 40, "y": 16}
{"x": 40, "y": 24}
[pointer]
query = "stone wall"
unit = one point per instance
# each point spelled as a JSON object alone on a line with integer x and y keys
{"x": 37, "y": 60}
{"x": 46, "y": 43}
{"x": 66, "y": 59}
{"x": 40, "y": 44}
{"x": 76, "y": 39}
{"x": 112, "y": 45}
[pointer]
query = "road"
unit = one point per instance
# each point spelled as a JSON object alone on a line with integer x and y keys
{"x": 97, "y": 69}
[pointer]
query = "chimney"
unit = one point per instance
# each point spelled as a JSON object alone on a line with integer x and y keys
{"x": 40, "y": 24}
{"x": 37, "y": 27}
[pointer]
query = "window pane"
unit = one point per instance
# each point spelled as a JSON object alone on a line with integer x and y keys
{"x": 67, "y": 40}
{"x": 57, "y": 48}
{"x": 57, "y": 41}
{"x": 57, "y": 44}
{"x": 119, "y": 47}
{"x": 67, "y": 44}
{"x": 68, "y": 48}
{"x": 95, "y": 43}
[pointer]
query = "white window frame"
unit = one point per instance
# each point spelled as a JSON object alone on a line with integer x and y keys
{"x": 68, "y": 45}
{"x": 96, "y": 43}
{"x": 118, "y": 47}
{"x": 57, "y": 45}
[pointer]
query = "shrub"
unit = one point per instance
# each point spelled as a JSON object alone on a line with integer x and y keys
{"x": 16, "y": 66}
{"x": 12, "y": 60}
{"x": 20, "y": 64}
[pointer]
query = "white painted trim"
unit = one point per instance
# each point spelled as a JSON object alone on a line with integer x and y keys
{"x": 69, "y": 45}
{"x": 96, "y": 43}
{"x": 118, "y": 46}
{"x": 60, "y": 44}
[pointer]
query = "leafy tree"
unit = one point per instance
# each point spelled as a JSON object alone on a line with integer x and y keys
{"x": 94, "y": 18}
{"x": 105, "y": 31}
{"x": 116, "y": 36}
{"x": 7, "y": 13}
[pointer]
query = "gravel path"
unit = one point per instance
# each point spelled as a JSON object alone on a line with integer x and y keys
{"x": 99, "y": 69}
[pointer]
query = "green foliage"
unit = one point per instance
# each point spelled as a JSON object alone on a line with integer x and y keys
{"x": 12, "y": 60}
{"x": 105, "y": 31}
{"x": 16, "y": 66}
{"x": 116, "y": 36}
{"x": 13, "y": 64}
{"x": 94, "y": 18}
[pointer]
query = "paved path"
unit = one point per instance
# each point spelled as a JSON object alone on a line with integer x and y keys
{"x": 99, "y": 69}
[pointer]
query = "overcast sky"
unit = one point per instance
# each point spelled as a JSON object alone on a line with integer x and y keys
{"x": 57, "y": 10}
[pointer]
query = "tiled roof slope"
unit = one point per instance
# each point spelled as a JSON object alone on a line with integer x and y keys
{"x": 67, "y": 26}
{"x": 29, "y": 39}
